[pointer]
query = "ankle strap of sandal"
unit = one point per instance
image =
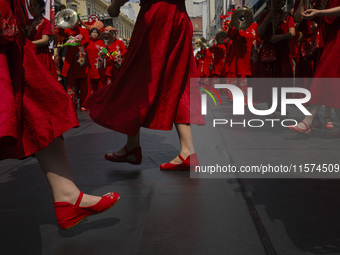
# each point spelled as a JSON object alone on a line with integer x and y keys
{"x": 79, "y": 198}
{"x": 181, "y": 158}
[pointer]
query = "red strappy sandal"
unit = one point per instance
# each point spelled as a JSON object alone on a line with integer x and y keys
{"x": 133, "y": 157}
{"x": 190, "y": 161}
{"x": 306, "y": 131}
{"x": 69, "y": 215}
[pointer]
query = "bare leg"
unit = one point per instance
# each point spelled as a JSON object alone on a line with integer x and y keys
{"x": 337, "y": 111}
{"x": 328, "y": 114}
{"x": 131, "y": 143}
{"x": 185, "y": 140}
{"x": 314, "y": 109}
{"x": 54, "y": 163}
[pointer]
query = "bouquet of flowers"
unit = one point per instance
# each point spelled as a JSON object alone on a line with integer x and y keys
{"x": 74, "y": 40}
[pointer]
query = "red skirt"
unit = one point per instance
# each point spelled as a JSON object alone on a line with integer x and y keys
{"x": 35, "y": 109}
{"x": 47, "y": 60}
{"x": 152, "y": 89}
{"x": 327, "y": 91}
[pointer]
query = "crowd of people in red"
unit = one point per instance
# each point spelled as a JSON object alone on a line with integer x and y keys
{"x": 151, "y": 88}
{"x": 293, "y": 44}
{"x": 83, "y": 63}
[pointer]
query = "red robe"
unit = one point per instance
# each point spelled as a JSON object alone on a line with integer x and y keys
{"x": 35, "y": 29}
{"x": 207, "y": 65}
{"x": 200, "y": 64}
{"x": 35, "y": 109}
{"x": 219, "y": 52}
{"x": 152, "y": 88}
{"x": 76, "y": 65}
{"x": 326, "y": 91}
{"x": 96, "y": 72}
{"x": 230, "y": 60}
{"x": 243, "y": 41}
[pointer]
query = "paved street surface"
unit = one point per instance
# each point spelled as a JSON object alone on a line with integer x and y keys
{"x": 168, "y": 213}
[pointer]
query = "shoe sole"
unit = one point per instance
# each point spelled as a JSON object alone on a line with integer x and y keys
{"x": 117, "y": 161}
{"x": 91, "y": 215}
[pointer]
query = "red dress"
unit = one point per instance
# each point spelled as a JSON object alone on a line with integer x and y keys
{"x": 34, "y": 108}
{"x": 152, "y": 88}
{"x": 35, "y": 29}
{"x": 76, "y": 65}
{"x": 111, "y": 69}
{"x": 327, "y": 91}
{"x": 96, "y": 71}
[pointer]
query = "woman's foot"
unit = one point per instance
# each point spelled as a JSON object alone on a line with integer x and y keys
{"x": 70, "y": 214}
{"x": 302, "y": 128}
{"x": 181, "y": 164}
{"x": 132, "y": 156}
{"x": 329, "y": 123}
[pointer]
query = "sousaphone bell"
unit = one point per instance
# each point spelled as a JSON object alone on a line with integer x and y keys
{"x": 66, "y": 18}
{"x": 242, "y": 18}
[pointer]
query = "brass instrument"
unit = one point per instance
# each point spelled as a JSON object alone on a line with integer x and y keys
{"x": 242, "y": 18}
{"x": 66, "y": 18}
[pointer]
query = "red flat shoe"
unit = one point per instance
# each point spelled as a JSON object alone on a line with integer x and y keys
{"x": 69, "y": 215}
{"x": 133, "y": 157}
{"x": 189, "y": 163}
{"x": 83, "y": 109}
{"x": 306, "y": 131}
{"x": 329, "y": 125}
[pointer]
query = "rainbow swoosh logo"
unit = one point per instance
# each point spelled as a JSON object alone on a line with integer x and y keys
{"x": 209, "y": 93}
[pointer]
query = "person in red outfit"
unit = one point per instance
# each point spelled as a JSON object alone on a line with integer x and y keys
{"x": 37, "y": 113}
{"x": 219, "y": 52}
{"x": 96, "y": 72}
{"x": 207, "y": 63}
{"x": 76, "y": 65}
{"x": 242, "y": 42}
{"x": 113, "y": 65}
{"x": 275, "y": 28}
{"x": 199, "y": 63}
{"x": 39, "y": 31}
{"x": 152, "y": 89}
{"x": 325, "y": 91}
{"x": 311, "y": 47}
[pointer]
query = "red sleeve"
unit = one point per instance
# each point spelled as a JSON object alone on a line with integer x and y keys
{"x": 46, "y": 28}
{"x": 290, "y": 22}
{"x": 85, "y": 33}
{"x": 8, "y": 27}
{"x": 69, "y": 56}
{"x": 64, "y": 32}
{"x": 123, "y": 48}
{"x": 232, "y": 33}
